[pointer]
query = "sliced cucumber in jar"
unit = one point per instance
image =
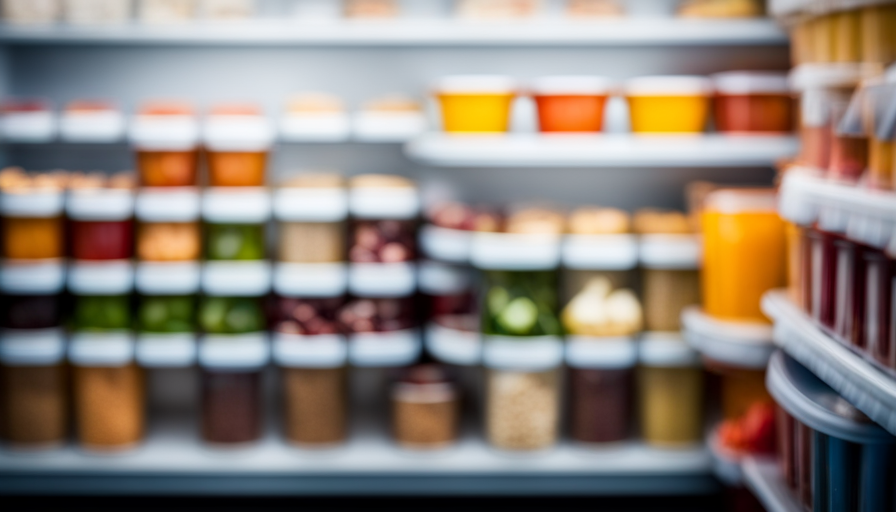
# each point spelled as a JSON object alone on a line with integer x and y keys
{"x": 519, "y": 316}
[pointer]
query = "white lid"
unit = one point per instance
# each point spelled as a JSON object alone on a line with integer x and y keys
{"x": 26, "y": 347}
{"x": 100, "y": 204}
{"x": 102, "y": 349}
{"x": 571, "y": 85}
{"x": 92, "y": 126}
{"x": 670, "y": 252}
{"x": 384, "y": 349}
{"x": 164, "y": 132}
{"x": 399, "y": 203}
{"x": 813, "y": 403}
{"x": 113, "y": 277}
{"x": 670, "y": 85}
{"x": 31, "y": 127}
{"x": 600, "y": 252}
{"x": 237, "y": 205}
{"x": 451, "y": 245}
{"x": 167, "y": 277}
{"x": 236, "y": 278}
{"x": 438, "y": 279}
{"x": 166, "y": 350}
{"x": 167, "y": 204}
{"x": 526, "y": 353}
{"x": 473, "y": 84}
{"x": 376, "y": 126}
{"x": 730, "y": 200}
{"x": 667, "y": 349}
{"x": 453, "y": 346}
{"x": 234, "y": 351}
{"x": 830, "y": 75}
{"x": 320, "y": 351}
{"x": 237, "y": 133}
{"x": 382, "y": 280}
{"x": 315, "y": 127}
{"x": 32, "y": 277}
{"x": 601, "y": 353}
{"x": 301, "y": 204}
{"x": 737, "y": 344}
{"x": 32, "y": 203}
{"x": 310, "y": 279}
{"x": 751, "y": 82}
{"x": 505, "y": 251}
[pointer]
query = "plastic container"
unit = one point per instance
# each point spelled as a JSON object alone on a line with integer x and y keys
{"x": 101, "y": 223}
{"x": 382, "y": 332}
{"x": 522, "y": 407}
{"x": 389, "y": 119}
{"x": 452, "y": 328}
{"x": 312, "y": 210}
{"x": 670, "y": 391}
{"x": 753, "y": 102}
{"x": 166, "y": 331}
{"x": 237, "y": 140}
{"x": 33, "y": 227}
{"x": 109, "y": 391}
{"x": 425, "y": 408}
{"x": 670, "y": 278}
{"x": 743, "y": 252}
{"x": 231, "y": 315}
{"x": 475, "y": 103}
{"x": 166, "y": 139}
{"x": 879, "y": 286}
{"x": 91, "y": 121}
{"x": 668, "y": 104}
{"x": 570, "y": 103}
{"x": 35, "y": 399}
{"x": 27, "y": 121}
{"x": 843, "y": 460}
{"x": 315, "y": 117}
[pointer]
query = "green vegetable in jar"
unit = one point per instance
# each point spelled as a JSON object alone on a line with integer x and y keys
{"x": 231, "y": 315}
{"x": 102, "y": 313}
{"x": 235, "y": 241}
{"x": 167, "y": 314}
{"x": 519, "y": 303}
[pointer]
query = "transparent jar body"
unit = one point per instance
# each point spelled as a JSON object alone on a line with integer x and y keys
{"x": 666, "y": 292}
{"x": 34, "y": 405}
{"x": 102, "y": 240}
{"x": 231, "y": 406}
{"x": 169, "y": 241}
{"x": 168, "y": 168}
{"x": 601, "y": 404}
{"x": 312, "y": 242}
{"x": 520, "y": 303}
{"x": 522, "y": 408}
{"x": 167, "y": 314}
{"x": 231, "y": 315}
{"x": 102, "y": 313}
{"x": 425, "y": 416}
{"x": 234, "y": 242}
{"x": 315, "y": 405}
{"x": 671, "y": 405}
{"x": 31, "y": 311}
{"x": 109, "y": 405}
{"x": 382, "y": 241}
{"x": 33, "y": 238}
{"x": 236, "y": 169}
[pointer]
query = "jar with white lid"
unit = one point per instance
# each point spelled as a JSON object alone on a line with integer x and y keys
{"x": 169, "y": 240}
{"x": 32, "y": 206}
{"x": 571, "y": 103}
{"x": 166, "y": 330}
{"x": 476, "y": 103}
{"x": 27, "y": 120}
{"x": 753, "y": 102}
{"x": 237, "y": 140}
{"x": 425, "y": 408}
{"x": 452, "y": 319}
{"x": 92, "y": 121}
{"x": 166, "y": 138}
{"x": 382, "y": 332}
{"x": 101, "y": 212}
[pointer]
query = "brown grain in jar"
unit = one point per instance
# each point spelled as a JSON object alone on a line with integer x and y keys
{"x": 169, "y": 241}
{"x": 34, "y": 405}
{"x": 109, "y": 406}
{"x": 666, "y": 293}
{"x": 425, "y": 408}
{"x": 522, "y": 409}
{"x": 312, "y": 242}
{"x": 315, "y": 405}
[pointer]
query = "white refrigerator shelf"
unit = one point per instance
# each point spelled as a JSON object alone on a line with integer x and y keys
{"x": 763, "y": 476}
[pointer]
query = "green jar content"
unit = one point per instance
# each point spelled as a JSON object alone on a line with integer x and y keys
{"x": 520, "y": 303}
{"x": 167, "y": 314}
{"x": 231, "y": 315}
{"x": 101, "y": 313}
{"x": 235, "y": 241}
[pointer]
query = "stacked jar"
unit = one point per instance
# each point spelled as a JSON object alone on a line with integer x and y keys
{"x": 380, "y": 318}
{"x": 601, "y": 318}
{"x": 452, "y": 322}
{"x": 425, "y": 408}
{"x": 847, "y": 36}
{"x": 522, "y": 334}
{"x": 34, "y": 404}
{"x": 235, "y": 276}
{"x": 309, "y": 343}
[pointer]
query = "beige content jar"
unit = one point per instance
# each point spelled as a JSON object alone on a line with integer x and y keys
{"x": 311, "y": 210}
{"x": 670, "y": 388}
{"x": 522, "y": 408}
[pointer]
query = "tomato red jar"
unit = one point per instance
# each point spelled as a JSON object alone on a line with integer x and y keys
{"x": 880, "y": 274}
{"x": 571, "y": 103}
{"x": 166, "y": 137}
{"x": 823, "y": 264}
{"x": 102, "y": 227}
{"x": 237, "y": 138}
{"x": 753, "y": 102}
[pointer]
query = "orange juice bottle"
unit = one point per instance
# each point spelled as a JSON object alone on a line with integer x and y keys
{"x": 744, "y": 253}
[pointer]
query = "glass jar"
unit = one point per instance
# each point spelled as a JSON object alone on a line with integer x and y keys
{"x": 101, "y": 220}
{"x": 452, "y": 320}
{"x": 237, "y": 139}
{"x": 522, "y": 408}
{"x": 670, "y": 278}
{"x": 312, "y": 210}
{"x": 169, "y": 241}
{"x": 425, "y": 408}
{"x": 33, "y": 227}
{"x": 167, "y": 314}
{"x": 520, "y": 303}
{"x": 670, "y": 389}
{"x": 30, "y": 311}
{"x": 231, "y": 315}
{"x": 235, "y": 242}
{"x": 849, "y": 143}
{"x": 752, "y": 102}
{"x": 880, "y": 283}
{"x": 744, "y": 252}
{"x": 381, "y": 331}
{"x": 166, "y": 138}
{"x": 822, "y": 264}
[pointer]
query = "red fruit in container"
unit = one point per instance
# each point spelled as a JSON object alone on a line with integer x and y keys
{"x": 759, "y": 428}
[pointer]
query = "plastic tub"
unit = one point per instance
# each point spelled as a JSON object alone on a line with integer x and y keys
{"x": 844, "y": 461}
{"x": 312, "y": 210}
{"x": 237, "y": 139}
{"x": 475, "y": 103}
{"x": 27, "y": 120}
{"x": 425, "y": 408}
{"x": 668, "y": 104}
{"x": 522, "y": 408}
{"x": 570, "y": 103}
{"x": 33, "y": 227}
{"x": 91, "y": 121}
{"x": 166, "y": 138}
{"x": 743, "y": 252}
{"x": 752, "y": 102}
{"x": 101, "y": 223}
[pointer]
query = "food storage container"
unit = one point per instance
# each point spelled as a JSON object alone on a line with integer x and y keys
{"x": 668, "y": 104}
{"x": 31, "y": 11}
{"x": 91, "y": 121}
{"x": 382, "y": 332}
{"x": 109, "y": 400}
{"x": 169, "y": 241}
{"x": 382, "y": 236}
{"x": 879, "y": 287}
{"x": 101, "y": 313}
{"x": 166, "y": 11}
{"x": 95, "y": 12}
{"x": 522, "y": 402}
{"x": 670, "y": 277}
{"x": 237, "y": 140}
{"x": 425, "y": 408}
{"x": 315, "y": 116}
{"x": 842, "y": 461}
{"x": 231, "y": 384}
{"x": 102, "y": 226}
{"x": 34, "y": 399}
{"x": 27, "y": 120}
{"x": 166, "y": 139}
{"x": 822, "y": 268}
{"x": 31, "y": 311}
{"x": 231, "y": 315}
{"x": 670, "y": 391}
{"x": 389, "y": 119}
{"x": 570, "y": 103}
{"x": 448, "y": 236}
{"x": 309, "y": 346}
{"x": 743, "y": 252}
{"x": 32, "y": 206}
{"x": 475, "y": 103}
{"x": 752, "y": 102}
{"x": 311, "y": 210}
{"x": 166, "y": 330}
{"x": 875, "y": 98}
{"x": 235, "y": 221}
{"x": 452, "y": 319}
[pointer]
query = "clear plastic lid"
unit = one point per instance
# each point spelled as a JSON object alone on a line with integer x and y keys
{"x": 816, "y": 405}
{"x": 167, "y": 204}
{"x": 742, "y": 200}
{"x": 439, "y": 279}
{"x": 113, "y": 277}
{"x": 236, "y": 205}
{"x": 600, "y": 252}
{"x": 234, "y": 351}
{"x": 510, "y": 251}
{"x": 671, "y": 85}
{"x": 473, "y": 84}
{"x": 751, "y": 82}
{"x": 37, "y": 203}
{"x": 571, "y": 85}
{"x": 100, "y": 204}
{"x": 101, "y": 349}
{"x": 667, "y": 349}
{"x": 32, "y": 277}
